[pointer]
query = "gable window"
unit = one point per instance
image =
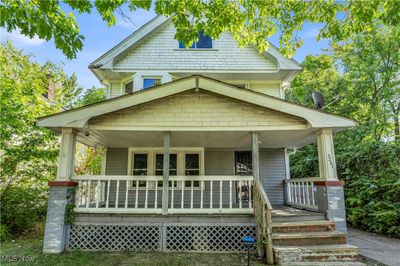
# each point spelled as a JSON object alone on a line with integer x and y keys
{"x": 151, "y": 82}
{"x": 128, "y": 86}
{"x": 204, "y": 42}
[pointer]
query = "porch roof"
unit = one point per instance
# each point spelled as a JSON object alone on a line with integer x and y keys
{"x": 83, "y": 118}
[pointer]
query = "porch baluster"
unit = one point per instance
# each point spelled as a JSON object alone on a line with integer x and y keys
{"x": 155, "y": 195}
{"x": 172, "y": 194}
{"x": 201, "y": 194}
{"x": 117, "y": 195}
{"x": 183, "y": 195}
{"x": 88, "y": 183}
{"x": 108, "y": 193}
{"x": 230, "y": 194}
{"x": 147, "y": 194}
{"x": 240, "y": 194}
{"x": 137, "y": 194}
{"x": 211, "y": 191}
{"x": 220, "y": 194}
{"x": 126, "y": 194}
{"x": 191, "y": 194}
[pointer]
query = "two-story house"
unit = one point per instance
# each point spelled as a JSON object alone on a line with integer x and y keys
{"x": 196, "y": 155}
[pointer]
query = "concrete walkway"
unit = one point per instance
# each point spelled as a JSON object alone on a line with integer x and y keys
{"x": 380, "y": 248}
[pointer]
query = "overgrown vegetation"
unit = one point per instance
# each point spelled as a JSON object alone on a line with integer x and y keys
{"x": 29, "y": 154}
{"x": 364, "y": 72}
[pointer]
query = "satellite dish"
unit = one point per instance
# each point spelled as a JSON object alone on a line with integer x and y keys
{"x": 318, "y": 99}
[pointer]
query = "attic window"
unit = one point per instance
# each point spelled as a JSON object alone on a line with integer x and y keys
{"x": 151, "y": 82}
{"x": 204, "y": 42}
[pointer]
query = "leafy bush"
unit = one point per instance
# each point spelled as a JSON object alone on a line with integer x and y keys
{"x": 22, "y": 208}
{"x": 4, "y": 234}
{"x": 372, "y": 175}
{"x": 371, "y": 171}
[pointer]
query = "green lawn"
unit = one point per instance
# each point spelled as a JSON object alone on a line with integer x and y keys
{"x": 28, "y": 248}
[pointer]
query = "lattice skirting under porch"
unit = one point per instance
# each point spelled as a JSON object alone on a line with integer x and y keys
{"x": 166, "y": 237}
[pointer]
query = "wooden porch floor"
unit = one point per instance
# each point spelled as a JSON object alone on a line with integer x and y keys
{"x": 286, "y": 213}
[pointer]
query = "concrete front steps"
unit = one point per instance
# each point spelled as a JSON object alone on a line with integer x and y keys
{"x": 311, "y": 242}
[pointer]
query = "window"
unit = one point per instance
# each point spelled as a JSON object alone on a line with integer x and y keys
{"x": 140, "y": 167}
{"x": 128, "y": 86}
{"x": 151, "y": 82}
{"x": 192, "y": 167}
{"x": 160, "y": 164}
{"x": 204, "y": 42}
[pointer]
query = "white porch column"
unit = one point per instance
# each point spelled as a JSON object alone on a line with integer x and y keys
{"x": 67, "y": 154}
{"x": 167, "y": 144}
{"x": 326, "y": 155}
{"x": 255, "y": 155}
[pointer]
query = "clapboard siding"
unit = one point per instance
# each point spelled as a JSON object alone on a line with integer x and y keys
{"x": 272, "y": 174}
{"x": 117, "y": 161}
{"x": 270, "y": 89}
{"x": 218, "y": 162}
{"x": 115, "y": 89}
{"x": 160, "y": 53}
{"x": 197, "y": 109}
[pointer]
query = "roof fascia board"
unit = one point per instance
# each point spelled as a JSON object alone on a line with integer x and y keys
{"x": 315, "y": 118}
{"x": 130, "y": 40}
{"x": 284, "y": 62}
{"x": 115, "y": 104}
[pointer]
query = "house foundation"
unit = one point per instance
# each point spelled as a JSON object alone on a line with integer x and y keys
{"x": 61, "y": 194}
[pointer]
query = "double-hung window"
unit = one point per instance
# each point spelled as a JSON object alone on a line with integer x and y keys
{"x": 159, "y": 166}
{"x": 192, "y": 168}
{"x": 204, "y": 42}
{"x": 140, "y": 167}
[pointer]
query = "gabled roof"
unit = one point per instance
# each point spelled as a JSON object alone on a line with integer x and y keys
{"x": 80, "y": 116}
{"x": 106, "y": 60}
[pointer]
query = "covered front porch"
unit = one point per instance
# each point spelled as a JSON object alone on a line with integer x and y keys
{"x": 203, "y": 172}
{"x": 195, "y": 146}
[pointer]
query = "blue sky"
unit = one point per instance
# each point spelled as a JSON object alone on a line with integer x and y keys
{"x": 99, "y": 38}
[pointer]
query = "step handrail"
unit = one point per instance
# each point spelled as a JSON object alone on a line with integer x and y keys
{"x": 263, "y": 214}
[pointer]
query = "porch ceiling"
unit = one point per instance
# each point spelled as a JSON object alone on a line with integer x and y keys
{"x": 207, "y": 139}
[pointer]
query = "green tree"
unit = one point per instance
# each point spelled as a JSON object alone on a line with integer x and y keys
{"x": 90, "y": 96}
{"x": 365, "y": 73}
{"x": 370, "y": 64}
{"x": 251, "y": 22}
{"x": 88, "y": 160}
{"x": 28, "y": 153}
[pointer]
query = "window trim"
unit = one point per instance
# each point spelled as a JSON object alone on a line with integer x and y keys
{"x": 151, "y": 161}
{"x": 125, "y": 81}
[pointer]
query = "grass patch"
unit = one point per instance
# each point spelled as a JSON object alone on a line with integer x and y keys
{"x": 20, "y": 252}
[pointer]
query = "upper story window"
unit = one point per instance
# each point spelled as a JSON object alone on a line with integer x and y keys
{"x": 128, "y": 86}
{"x": 151, "y": 82}
{"x": 204, "y": 42}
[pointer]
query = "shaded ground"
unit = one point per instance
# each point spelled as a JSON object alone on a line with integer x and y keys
{"x": 376, "y": 247}
{"x": 23, "y": 251}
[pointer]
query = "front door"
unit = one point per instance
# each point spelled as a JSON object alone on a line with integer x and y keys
{"x": 243, "y": 166}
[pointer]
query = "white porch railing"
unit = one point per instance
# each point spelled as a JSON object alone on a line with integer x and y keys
{"x": 301, "y": 193}
{"x": 143, "y": 194}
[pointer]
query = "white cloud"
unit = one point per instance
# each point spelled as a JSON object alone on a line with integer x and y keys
{"x": 16, "y": 37}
